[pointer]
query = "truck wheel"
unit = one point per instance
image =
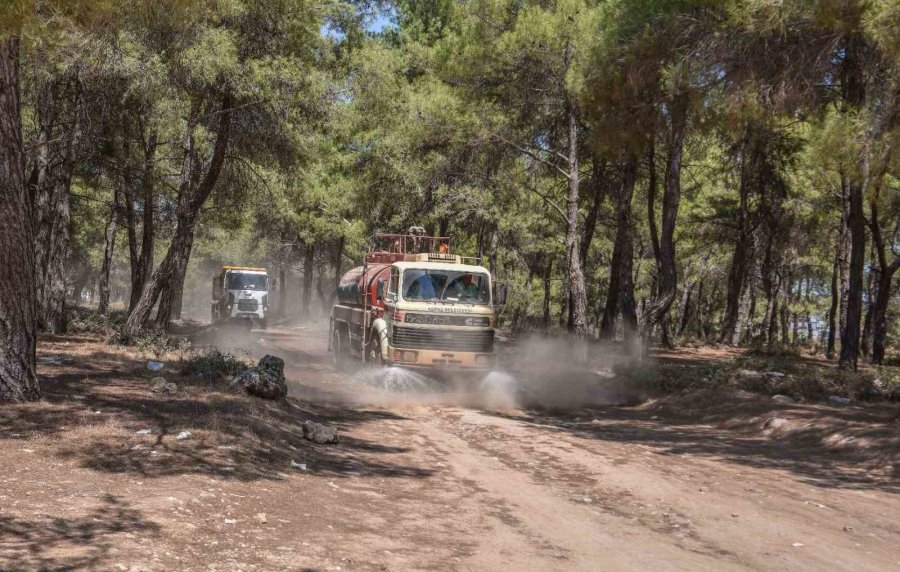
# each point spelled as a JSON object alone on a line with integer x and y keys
{"x": 263, "y": 324}
{"x": 339, "y": 346}
{"x": 375, "y": 356}
{"x": 213, "y": 314}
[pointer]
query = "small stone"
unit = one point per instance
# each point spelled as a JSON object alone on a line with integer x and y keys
{"x": 798, "y": 545}
{"x": 143, "y": 432}
{"x": 318, "y": 433}
{"x": 230, "y": 521}
{"x": 261, "y": 517}
{"x": 296, "y": 465}
{"x": 848, "y": 528}
{"x": 183, "y": 435}
{"x": 161, "y": 385}
{"x": 783, "y": 399}
{"x": 837, "y": 400}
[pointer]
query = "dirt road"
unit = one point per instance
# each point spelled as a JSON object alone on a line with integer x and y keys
{"x": 419, "y": 481}
{"x": 613, "y": 488}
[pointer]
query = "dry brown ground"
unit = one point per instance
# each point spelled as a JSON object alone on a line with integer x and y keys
{"x": 689, "y": 482}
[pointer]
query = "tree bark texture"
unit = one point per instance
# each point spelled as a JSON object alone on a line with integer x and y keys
{"x": 658, "y": 311}
{"x": 18, "y": 381}
{"x": 52, "y": 197}
{"x": 308, "y": 263}
{"x": 853, "y": 94}
{"x": 620, "y": 295}
{"x": 574, "y": 270}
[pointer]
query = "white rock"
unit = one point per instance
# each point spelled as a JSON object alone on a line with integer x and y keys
{"x": 783, "y": 399}
{"x": 143, "y": 432}
{"x": 296, "y": 465}
{"x": 230, "y": 521}
{"x": 183, "y": 435}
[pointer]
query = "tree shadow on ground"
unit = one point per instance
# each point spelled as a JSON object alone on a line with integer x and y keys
{"x": 102, "y": 400}
{"x": 846, "y": 448}
{"x": 47, "y": 542}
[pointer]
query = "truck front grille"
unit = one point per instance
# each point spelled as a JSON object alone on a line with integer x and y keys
{"x": 248, "y": 305}
{"x": 441, "y": 339}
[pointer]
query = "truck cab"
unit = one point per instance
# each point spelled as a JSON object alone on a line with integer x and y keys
{"x": 438, "y": 313}
{"x": 240, "y": 293}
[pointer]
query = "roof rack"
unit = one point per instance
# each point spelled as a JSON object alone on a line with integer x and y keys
{"x": 387, "y": 248}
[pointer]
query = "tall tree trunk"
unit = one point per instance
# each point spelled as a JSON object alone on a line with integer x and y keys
{"x": 308, "y": 260}
{"x": 192, "y": 196}
{"x": 171, "y": 293}
{"x": 658, "y": 312}
{"x": 103, "y": 305}
{"x": 883, "y": 288}
{"x": 574, "y": 270}
{"x": 620, "y": 295}
{"x": 18, "y": 381}
{"x": 52, "y": 246}
{"x": 737, "y": 273}
{"x": 699, "y": 313}
{"x": 810, "y": 334}
{"x": 282, "y": 291}
{"x": 686, "y": 308}
{"x": 652, "y": 225}
{"x": 835, "y": 300}
{"x": 853, "y": 94}
{"x": 871, "y": 295}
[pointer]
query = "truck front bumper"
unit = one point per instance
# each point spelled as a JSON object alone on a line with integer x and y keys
{"x": 441, "y": 360}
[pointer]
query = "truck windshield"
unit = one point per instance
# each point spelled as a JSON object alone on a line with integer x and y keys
{"x": 238, "y": 281}
{"x": 446, "y": 286}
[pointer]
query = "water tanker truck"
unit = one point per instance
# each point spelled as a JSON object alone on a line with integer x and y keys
{"x": 415, "y": 304}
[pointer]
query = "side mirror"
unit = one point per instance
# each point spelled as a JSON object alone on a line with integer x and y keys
{"x": 500, "y": 294}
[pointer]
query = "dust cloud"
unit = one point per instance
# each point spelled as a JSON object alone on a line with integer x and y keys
{"x": 538, "y": 372}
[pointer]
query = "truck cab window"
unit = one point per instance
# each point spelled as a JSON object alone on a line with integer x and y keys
{"x": 246, "y": 281}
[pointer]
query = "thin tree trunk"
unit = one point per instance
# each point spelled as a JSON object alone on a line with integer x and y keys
{"x": 686, "y": 308}
{"x": 18, "y": 336}
{"x": 548, "y": 270}
{"x": 103, "y": 305}
{"x": 336, "y": 266}
{"x": 590, "y": 221}
{"x": 810, "y": 334}
{"x": 282, "y": 291}
{"x": 308, "y": 260}
{"x": 884, "y": 281}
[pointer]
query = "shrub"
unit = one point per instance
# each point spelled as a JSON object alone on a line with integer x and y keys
{"x": 211, "y": 364}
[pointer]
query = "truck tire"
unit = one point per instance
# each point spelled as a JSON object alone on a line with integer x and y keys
{"x": 213, "y": 314}
{"x": 263, "y": 324}
{"x": 340, "y": 346}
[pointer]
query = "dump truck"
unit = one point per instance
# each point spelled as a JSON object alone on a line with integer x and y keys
{"x": 415, "y": 304}
{"x": 240, "y": 293}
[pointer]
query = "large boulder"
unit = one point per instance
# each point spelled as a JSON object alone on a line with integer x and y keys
{"x": 265, "y": 381}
